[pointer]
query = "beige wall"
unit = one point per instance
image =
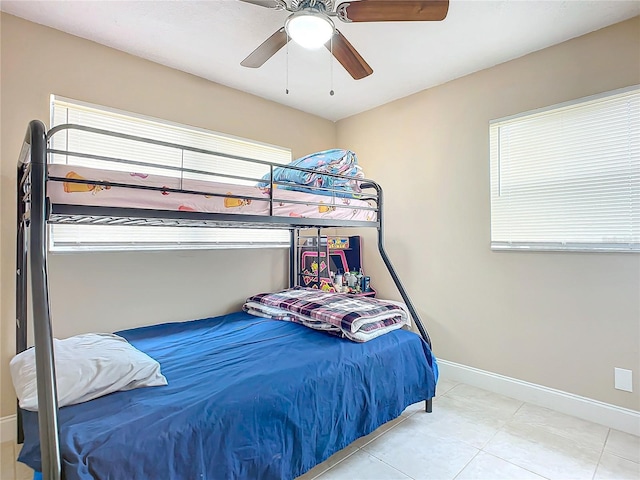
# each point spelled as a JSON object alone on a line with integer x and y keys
{"x": 563, "y": 320}
{"x": 108, "y": 291}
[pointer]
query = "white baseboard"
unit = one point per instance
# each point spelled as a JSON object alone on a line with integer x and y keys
{"x": 594, "y": 411}
{"x": 8, "y": 426}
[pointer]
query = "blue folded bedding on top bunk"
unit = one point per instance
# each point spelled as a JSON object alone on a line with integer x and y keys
{"x": 247, "y": 398}
{"x": 335, "y": 161}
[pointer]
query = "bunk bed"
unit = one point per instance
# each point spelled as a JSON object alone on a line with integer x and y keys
{"x": 288, "y": 373}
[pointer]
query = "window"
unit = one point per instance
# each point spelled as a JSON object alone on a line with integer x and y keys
{"x": 567, "y": 177}
{"x": 99, "y": 237}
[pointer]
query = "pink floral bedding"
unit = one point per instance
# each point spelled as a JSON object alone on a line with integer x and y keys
{"x": 62, "y": 188}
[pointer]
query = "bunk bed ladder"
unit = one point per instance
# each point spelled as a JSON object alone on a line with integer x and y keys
{"x": 21, "y": 279}
{"x": 36, "y": 246}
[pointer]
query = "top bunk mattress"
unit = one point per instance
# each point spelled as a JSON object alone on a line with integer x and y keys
{"x": 140, "y": 191}
{"x": 247, "y": 398}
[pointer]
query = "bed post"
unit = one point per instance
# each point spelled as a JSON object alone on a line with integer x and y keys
{"x": 43, "y": 335}
{"x": 428, "y": 404}
{"x": 392, "y": 271}
{"x": 318, "y": 239}
{"x": 293, "y": 257}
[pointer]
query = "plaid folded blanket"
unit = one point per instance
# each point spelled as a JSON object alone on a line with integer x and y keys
{"x": 357, "y": 318}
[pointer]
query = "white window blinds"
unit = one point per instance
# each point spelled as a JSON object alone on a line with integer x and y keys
{"x": 568, "y": 177}
{"x": 99, "y": 237}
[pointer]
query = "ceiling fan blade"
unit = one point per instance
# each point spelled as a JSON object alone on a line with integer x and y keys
{"x": 266, "y": 50}
{"x": 393, "y": 10}
{"x": 275, "y": 4}
{"x": 349, "y": 57}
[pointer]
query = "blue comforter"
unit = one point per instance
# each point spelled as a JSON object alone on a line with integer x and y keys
{"x": 247, "y": 398}
{"x": 335, "y": 161}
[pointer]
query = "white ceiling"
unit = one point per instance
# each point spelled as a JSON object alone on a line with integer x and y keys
{"x": 211, "y": 38}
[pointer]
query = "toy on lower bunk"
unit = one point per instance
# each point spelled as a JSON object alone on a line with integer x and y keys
{"x": 340, "y": 267}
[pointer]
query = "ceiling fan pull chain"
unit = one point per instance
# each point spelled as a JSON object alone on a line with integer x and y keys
{"x": 286, "y": 88}
{"x": 331, "y": 64}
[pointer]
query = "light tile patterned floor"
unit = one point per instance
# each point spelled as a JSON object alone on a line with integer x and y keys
{"x": 475, "y": 434}
{"x": 471, "y": 434}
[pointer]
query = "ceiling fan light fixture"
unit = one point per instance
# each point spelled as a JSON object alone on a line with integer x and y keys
{"x": 309, "y": 29}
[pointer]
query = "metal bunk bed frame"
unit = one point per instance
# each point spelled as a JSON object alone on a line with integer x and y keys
{"x": 34, "y": 212}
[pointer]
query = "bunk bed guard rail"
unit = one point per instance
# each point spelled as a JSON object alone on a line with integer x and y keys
{"x": 34, "y": 211}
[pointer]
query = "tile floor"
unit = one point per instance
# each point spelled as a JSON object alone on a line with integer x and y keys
{"x": 471, "y": 434}
{"x": 475, "y": 434}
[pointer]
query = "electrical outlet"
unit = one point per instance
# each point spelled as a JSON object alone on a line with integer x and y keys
{"x": 623, "y": 379}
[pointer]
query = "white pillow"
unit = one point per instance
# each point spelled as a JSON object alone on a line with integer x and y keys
{"x": 87, "y": 367}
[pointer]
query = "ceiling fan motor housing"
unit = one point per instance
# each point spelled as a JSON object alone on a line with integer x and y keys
{"x": 318, "y": 5}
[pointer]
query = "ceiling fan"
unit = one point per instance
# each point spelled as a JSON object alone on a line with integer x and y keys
{"x": 310, "y": 25}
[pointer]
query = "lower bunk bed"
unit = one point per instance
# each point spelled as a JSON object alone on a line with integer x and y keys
{"x": 247, "y": 398}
